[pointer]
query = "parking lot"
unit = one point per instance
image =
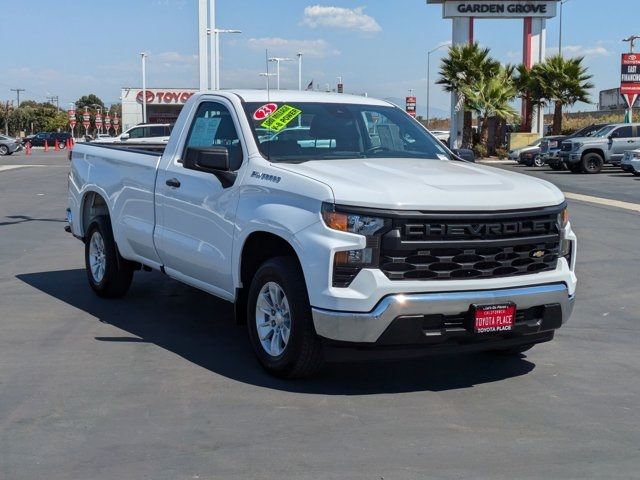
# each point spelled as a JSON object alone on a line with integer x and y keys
{"x": 163, "y": 385}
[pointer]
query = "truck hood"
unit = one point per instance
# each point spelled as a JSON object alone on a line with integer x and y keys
{"x": 586, "y": 140}
{"x": 420, "y": 184}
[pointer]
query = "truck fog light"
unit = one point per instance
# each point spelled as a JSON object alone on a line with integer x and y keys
{"x": 354, "y": 257}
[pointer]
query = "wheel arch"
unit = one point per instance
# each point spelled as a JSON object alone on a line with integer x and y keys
{"x": 258, "y": 247}
{"x": 93, "y": 204}
{"x": 597, "y": 151}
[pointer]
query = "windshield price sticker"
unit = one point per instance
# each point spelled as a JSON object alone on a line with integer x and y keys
{"x": 264, "y": 111}
{"x": 281, "y": 118}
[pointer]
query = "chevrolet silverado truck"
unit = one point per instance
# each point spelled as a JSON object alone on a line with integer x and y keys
{"x": 607, "y": 145}
{"x": 369, "y": 238}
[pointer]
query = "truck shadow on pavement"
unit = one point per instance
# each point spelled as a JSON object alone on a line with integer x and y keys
{"x": 200, "y": 328}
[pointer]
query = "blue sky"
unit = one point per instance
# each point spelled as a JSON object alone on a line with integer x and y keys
{"x": 377, "y": 46}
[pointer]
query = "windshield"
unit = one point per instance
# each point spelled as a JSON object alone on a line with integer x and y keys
{"x": 295, "y": 132}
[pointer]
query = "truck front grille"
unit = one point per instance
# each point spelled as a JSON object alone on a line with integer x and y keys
{"x": 468, "y": 246}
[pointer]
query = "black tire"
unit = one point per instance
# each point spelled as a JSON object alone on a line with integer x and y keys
{"x": 538, "y": 161}
{"x": 557, "y": 166}
{"x": 508, "y": 352}
{"x": 302, "y": 354}
{"x": 4, "y": 150}
{"x": 575, "y": 167}
{"x": 117, "y": 272}
{"x": 592, "y": 163}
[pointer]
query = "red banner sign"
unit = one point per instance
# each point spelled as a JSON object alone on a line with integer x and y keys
{"x": 630, "y": 77}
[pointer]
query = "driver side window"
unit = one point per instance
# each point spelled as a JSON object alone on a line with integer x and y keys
{"x": 213, "y": 127}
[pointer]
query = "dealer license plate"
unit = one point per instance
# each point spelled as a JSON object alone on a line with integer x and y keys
{"x": 494, "y": 318}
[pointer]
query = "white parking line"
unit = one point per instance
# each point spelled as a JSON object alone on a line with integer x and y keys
{"x": 634, "y": 207}
{"x": 4, "y": 168}
{"x": 10, "y": 167}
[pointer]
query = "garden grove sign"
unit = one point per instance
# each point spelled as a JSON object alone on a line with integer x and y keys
{"x": 499, "y": 8}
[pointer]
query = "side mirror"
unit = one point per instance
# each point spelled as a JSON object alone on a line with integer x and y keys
{"x": 124, "y": 136}
{"x": 207, "y": 159}
{"x": 213, "y": 160}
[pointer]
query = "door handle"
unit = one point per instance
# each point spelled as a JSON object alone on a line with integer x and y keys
{"x": 173, "y": 182}
{"x": 630, "y": 141}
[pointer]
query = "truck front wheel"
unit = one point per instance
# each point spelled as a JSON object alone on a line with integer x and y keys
{"x": 279, "y": 320}
{"x": 592, "y": 163}
{"x": 109, "y": 274}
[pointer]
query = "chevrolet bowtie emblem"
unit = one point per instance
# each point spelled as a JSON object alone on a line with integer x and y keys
{"x": 538, "y": 254}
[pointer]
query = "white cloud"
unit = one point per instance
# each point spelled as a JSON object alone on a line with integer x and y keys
{"x": 338, "y": 17}
{"x": 276, "y": 45}
{"x": 173, "y": 57}
{"x": 580, "y": 51}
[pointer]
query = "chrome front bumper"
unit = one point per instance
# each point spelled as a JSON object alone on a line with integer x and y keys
{"x": 368, "y": 327}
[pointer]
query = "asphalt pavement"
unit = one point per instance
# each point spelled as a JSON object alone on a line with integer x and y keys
{"x": 163, "y": 385}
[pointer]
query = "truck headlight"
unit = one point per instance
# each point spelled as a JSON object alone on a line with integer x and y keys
{"x": 635, "y": 155}
{"x": 347, "y": 264}
{"x": 565, "y": 245}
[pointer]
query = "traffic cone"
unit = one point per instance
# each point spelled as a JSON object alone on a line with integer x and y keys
{"x": 56, "y": 147}
{"x": 28, "y": 149}
{"x": 46, "y": 146}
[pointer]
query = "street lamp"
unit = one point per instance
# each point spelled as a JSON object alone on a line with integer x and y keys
{"x": 267, "y": 75}
{"x": 429, "y": 78}
{"x": 143, "y": 56}
{"x": 278, "y": 60}
{"x": 217, "y": 32}
{"x": 562, "y": 2}
{"x": 300, "y": 71}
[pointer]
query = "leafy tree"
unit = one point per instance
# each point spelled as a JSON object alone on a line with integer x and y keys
{"x": 89, "y": 101}
{"x": 463, "y": 67}
{"x": 490, "y": 97}
{"x": 563, "y": 81}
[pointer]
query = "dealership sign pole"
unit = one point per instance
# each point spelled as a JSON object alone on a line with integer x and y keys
{"x": 86, "y": 120}
{"x": 630, "y": 80}
{"x": 72, "y": 121}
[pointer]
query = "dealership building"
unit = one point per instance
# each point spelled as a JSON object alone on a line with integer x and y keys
{"x": 163, "y": 105}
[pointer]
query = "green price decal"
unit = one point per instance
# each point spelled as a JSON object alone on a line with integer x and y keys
{"x": 281, "y": 118}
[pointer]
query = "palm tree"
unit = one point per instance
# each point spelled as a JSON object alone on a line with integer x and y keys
{"x": 464, "y": 66}
{"x": 491, "y": 97}
{"x": 563, "y": 81}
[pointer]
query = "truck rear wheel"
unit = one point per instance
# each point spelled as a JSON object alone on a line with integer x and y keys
{"x": 575, "y": 167}
{"x": 279, "y": 320}
{"x": 108, "y": 273}
{"x": 592, "y": 163}
{"x": 558, "y": 166}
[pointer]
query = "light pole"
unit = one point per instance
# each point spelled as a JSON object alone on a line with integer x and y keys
{"x": 429, "y": 78}
{"x": 217, "y": 32}
{"x": 300, "y": 71}
{"x": 143, "y": 56}
{"x": 562, "y": 2}
{"x": 266, "y": 75}
{"x": 278, "y": 60}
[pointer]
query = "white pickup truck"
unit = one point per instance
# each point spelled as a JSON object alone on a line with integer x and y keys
{"x": 366, "y": 237}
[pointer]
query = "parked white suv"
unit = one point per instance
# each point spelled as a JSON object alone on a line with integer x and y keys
{"x": 144, "y": 133}
{"x": 366, "y": 236}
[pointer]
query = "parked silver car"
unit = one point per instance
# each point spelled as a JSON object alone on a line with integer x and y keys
{"x": 9, "y": 145}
